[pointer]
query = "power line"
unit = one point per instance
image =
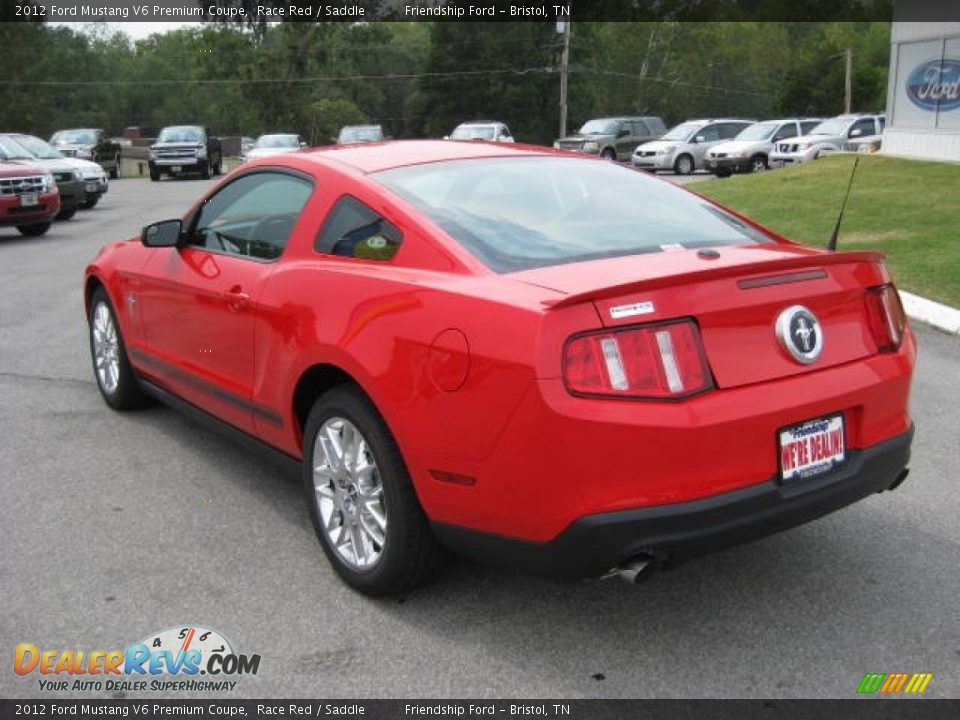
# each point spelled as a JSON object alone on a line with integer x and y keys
{"x": 697, "y": 86}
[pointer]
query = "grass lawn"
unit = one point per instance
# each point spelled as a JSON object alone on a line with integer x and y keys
{"x": 907, "y": 209}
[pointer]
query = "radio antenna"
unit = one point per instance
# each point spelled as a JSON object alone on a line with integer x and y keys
{"x": 832, "y": 243}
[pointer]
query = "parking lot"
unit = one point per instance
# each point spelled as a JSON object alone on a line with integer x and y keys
{"x": 119, "y": 525}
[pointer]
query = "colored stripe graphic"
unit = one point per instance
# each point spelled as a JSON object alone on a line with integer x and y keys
{"x": 894, "y": 683}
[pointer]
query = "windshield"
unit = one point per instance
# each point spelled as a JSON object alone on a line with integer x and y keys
{"x": 759, "y": 131}
{"x": 473, "y": 132}
{"x": 833, "y": 126}
{"x": 38, "y": 147}
{"x": 599, "y": 127}
{"x": 521, "y": 213}
{"x": 683, "y": 131}
{"x": 358, "y": 134}
{"x": 180, "y": 134}
{"x": 277, "y": 141}
{"x": 74, "y": 137}
{"x": 12, "y": 150}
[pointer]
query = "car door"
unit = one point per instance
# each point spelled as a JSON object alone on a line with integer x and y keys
{"x": 199, "y": 300}
{"x": 624, "y": 140}
{"x": 785, "y": 131}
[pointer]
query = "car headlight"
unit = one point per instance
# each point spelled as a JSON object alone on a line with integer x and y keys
{"x": 803, "y": 147}
{"x": 591, "y": 145}
{"x": 84, "y": 152}
{"x": 666, "y": 150}
{"x": 153, "y": 154}
{"x": 201, "y": 152}
{"x": 739, "y": 154}
{"x": 49, "y": 183}
{"x": 77, "y": 175}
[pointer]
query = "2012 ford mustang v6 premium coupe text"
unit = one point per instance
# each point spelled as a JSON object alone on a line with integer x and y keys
{"x": 524, "y": 355}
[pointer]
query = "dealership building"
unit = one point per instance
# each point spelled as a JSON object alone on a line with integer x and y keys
{"x": 923, "y": 95}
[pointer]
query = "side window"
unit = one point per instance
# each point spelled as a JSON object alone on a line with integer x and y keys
{"x": 787, "y": 130}
{"x": 504, "y": 131}
{"x": 640, "y": 129}
{"x": 354, "y": 230}
{"x": 709, "y": 133}
{"x": 808, "y": 125}
{"x": 253, "y": 216}
{"x": 865, "y": 126}
{"x": 731, "y": 130}
{"x": 883, "y": 122}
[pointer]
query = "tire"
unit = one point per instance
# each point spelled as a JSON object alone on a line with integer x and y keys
{"x": 118, "y": 384}
{"x": 218, "y": 168}
{"x": 723, "y": 173}
{"x": 684, "y": 165}
{"x": 115, "y": 170}
{"x": 66, "y": 214}
{"x": 154, "y": 174}
{"x": 758, "y": 163}
{"x": 408, "y": 554}
{"x": 205, "y": 171}
{"x": 34, "y": 230}
{"x": 609, "y": 154}
{"x": 91, "y": 203}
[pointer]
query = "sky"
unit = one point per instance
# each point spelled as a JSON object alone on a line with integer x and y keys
{"x": 136, "y": 30}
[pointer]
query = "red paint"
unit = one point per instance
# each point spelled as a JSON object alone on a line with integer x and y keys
{"x": 492, "y": 406}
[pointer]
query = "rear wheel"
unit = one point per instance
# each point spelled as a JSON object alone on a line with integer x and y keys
{"x": 34, "y": 230}
{"x": 609, "y": 154}
{"x": 362, "y": 502}
{"x": 111, "y": 366}
{"x": 683, "y": 165}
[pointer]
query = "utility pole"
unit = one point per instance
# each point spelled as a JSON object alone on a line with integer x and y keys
{"x": 564, "y": 72}
{"x": 848, "y": 82}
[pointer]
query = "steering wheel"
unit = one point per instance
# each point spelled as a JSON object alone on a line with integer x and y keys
{"x": 273, "y": 226}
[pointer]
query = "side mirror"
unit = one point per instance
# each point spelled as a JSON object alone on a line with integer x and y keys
{"x": 700, "y": 138}
{"x": 856, "y": 132}
{"x": 162, "y": 234}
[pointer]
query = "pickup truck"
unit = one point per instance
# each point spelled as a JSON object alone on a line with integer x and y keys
{"x": 89, "y": 144}
{"x": 185, "y": 149}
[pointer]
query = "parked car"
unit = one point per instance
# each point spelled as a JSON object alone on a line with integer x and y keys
{"x": 683, "y": 148}
{"x": 95, "y": 182}
{"x": 829, "y": 136}
{"x": 614, "y": 138}
{"x": 69, "y": 180}
{"x": 29, "y": 199}
{"x": 275, "y": 144}
{"x": 89, "y": 144}
{"x": 750, "y": 150}
{"x": 246, "y": 145}
{"x": 536, "y": 358}
{"x": 488, "y": 130}
{"x": 350, "y": 134}
{"x": 185, "y": 149}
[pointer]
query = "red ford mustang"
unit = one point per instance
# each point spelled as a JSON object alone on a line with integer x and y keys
{"x": 523, "y": 355}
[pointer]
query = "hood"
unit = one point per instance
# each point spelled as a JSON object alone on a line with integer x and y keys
{"x": 55, "y": 165}
{"x": 812, "y": 139}
{"x": 19, "y": 169}
{"x": 71, "y": 146}
{"x": 734, "y": 146}
{"x": 87, "y": 168}
{"x": 660, "y": 144}
{"x": 584, "y": 138}
{"x": 179, "y": 144}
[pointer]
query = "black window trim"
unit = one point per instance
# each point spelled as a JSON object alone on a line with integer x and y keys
{"x": 333, "y": 206}
{"x": 194, "y": 217}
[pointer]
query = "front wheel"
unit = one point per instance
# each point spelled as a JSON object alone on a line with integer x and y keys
{"x": 683, "y": 165}
{"x": 115, "y": 170}
{"x": 34, "y": 230}
{"x": 91, "y": 202}
{"x": 118, "y": 385}
{"x": 758, "y": 163}
{"x": 66, "y": 214}
{"x": 362, "y": 502}
{"x": 609, "y": 154}
{"x": 154, "y": 175}
{"x": 204, "y": 171}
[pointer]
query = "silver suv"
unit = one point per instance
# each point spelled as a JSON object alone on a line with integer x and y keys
{"x": 683, "y": 149}
{"x": 614, "y": 138}
{"x": 750, "y": 150}
{"x": 829, "y": 136}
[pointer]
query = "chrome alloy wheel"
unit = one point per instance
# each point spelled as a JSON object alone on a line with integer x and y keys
{"x": 106, "y": 348}
{"x": 349, "y": 493}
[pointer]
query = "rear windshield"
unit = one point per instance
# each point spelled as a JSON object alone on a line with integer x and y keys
{"x": 522, "y": 213}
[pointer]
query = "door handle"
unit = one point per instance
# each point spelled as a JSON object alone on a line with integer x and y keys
{"x": 236, "y": 298}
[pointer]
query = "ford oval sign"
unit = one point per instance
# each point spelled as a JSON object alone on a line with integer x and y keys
{"x": 935, "y": 85}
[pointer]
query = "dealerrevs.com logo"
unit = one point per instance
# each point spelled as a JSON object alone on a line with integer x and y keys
{"x": 171, "y": 660}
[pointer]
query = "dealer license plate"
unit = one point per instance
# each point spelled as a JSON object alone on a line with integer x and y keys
{"x": 176, "y": 168}
{"x": 712, "y": 163}
{"x": 812, "y": 448}
{"x": 29, "y": 200}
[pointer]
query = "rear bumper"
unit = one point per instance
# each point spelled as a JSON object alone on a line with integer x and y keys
{"x": 594, "y": 544}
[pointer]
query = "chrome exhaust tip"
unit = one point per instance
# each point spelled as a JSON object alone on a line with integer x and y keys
{"x": 636, "y": 570}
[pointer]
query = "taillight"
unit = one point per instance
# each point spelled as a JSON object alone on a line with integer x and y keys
{"x": 663, "y": 361}
{"x": 886, "y": 317}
